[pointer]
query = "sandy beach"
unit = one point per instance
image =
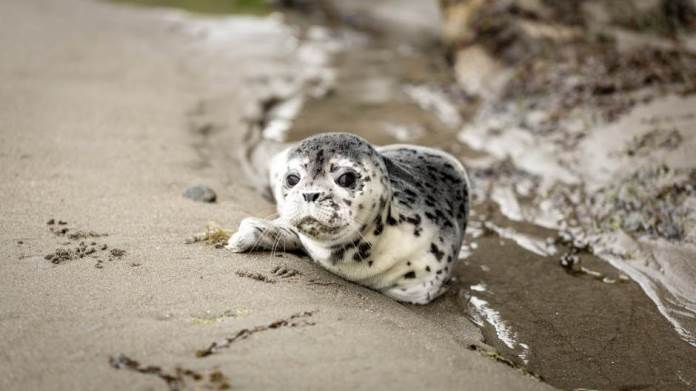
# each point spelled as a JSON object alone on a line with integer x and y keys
{"x": 108, "y": 113}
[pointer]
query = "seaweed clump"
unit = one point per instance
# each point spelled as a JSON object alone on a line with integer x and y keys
{"x": 213, "y": 235}
{"x": 651, "y": 201}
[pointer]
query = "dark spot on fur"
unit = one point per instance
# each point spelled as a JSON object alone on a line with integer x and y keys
{"x": 338, "y": 254}
{"x": 391, "y": 220}
{"x": 363, "y": 252}
{"x": 415, "y": 220}
{"x": 379, "y": 226}
{"x": 436, "y": 252}
{"x": 410, "y": 274}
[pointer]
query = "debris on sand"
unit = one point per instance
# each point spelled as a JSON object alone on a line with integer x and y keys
{"x": 59, "y": 228}
{"x": 85, "y": 248}
{"x": 77, "y": 235}
{"x": 60, "y": 255}
{"x": 255, "y": 276}
{"x": 82, "y": 250}
{"x": 495, "y": 356}
{"x": 59, "y": 231}
{"x": 176, "y": 381}
{"x": 296, "y": 320}
{"x": 572, "y": 263}
{"x": 214, "y": 235}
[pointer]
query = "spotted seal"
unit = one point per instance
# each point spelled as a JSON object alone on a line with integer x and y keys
{"x": 390, "y": 218}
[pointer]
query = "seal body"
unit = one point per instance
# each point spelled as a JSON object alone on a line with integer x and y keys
{"x": 390, "y": 218}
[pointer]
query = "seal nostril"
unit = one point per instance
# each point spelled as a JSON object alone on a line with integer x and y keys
{"x": 310, "y": 197}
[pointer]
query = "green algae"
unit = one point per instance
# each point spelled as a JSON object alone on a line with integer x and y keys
{"x": 213, "y": 7}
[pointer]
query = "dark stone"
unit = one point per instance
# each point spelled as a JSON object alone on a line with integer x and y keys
{"x": 200, "y": 193}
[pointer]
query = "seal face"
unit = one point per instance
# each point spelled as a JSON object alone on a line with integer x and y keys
{"x": 391, "y": 218}
{"x": 331, "y": 187}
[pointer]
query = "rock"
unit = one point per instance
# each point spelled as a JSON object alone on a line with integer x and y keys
{"x": 200, "y": 193}
{"x": 479, "y": 73}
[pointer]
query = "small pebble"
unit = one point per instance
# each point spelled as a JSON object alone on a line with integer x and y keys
{"x": 200, "y": 193}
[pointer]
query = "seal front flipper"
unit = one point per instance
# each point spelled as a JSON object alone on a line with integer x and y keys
{"x": 258, "y": 235}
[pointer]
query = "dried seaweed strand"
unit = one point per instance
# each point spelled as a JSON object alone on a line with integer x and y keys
{"x": 295, "y": 320}
{"x": 215, "y": 379}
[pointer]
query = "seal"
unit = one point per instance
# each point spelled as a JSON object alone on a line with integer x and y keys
{"x": 390, "y": 218}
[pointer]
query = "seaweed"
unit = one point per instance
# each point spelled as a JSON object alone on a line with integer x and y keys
{"x": 296, "y": 320}
{"x": 214, "y": 235}
{"x": 177, "y": 380}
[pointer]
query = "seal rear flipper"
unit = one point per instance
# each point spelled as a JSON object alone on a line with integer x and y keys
{"x": 418, "y": 294}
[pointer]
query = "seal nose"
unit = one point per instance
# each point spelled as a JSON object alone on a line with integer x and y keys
{"x": 310, "y": 197}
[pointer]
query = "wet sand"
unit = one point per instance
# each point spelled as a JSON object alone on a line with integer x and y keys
{"x": 108, "y": 114}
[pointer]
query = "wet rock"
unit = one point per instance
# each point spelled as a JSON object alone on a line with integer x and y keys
{"x": 570, "y": 262}
{"x": 200, "y": 193}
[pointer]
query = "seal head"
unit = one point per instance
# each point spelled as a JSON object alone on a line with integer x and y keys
{"x": 331, "y": 186}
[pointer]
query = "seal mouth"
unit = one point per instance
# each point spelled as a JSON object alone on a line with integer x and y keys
{"x": 313, "y": 227}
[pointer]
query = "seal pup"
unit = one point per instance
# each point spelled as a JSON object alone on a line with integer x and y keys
{"x": 391, "y": 218}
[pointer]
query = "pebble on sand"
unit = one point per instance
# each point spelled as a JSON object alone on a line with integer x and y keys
{"x": 200, "y": 193}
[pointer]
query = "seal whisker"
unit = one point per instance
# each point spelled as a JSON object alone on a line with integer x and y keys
{"x": 275, "y": 245}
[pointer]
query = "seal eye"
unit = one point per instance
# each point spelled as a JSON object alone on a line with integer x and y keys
{"x": 346, "y": 180}
{"x": 292, "y": 180}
